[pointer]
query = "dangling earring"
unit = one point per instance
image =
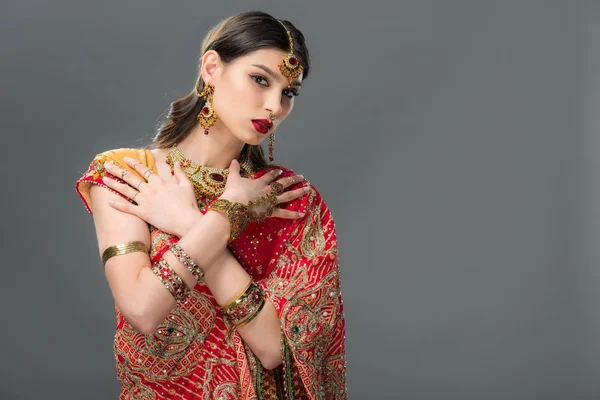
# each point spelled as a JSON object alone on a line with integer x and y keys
{"x": 271, "y": 140}
{"x": 207, "y": 116}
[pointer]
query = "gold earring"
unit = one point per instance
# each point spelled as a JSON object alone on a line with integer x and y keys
{"x": 207, "y": 116}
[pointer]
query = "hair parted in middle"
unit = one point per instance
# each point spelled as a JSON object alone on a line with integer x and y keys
{"x": 234, "y": 37}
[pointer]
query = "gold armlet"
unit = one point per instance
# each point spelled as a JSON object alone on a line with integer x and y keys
{"x": 123, "y": 248}
{"x": 237, "y": 214}
{"x": 246, "y": 306}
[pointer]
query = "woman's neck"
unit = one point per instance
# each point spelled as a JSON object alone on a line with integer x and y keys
{"x": 216, "y": 149}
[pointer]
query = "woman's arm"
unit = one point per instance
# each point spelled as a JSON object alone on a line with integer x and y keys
{"x": 142, "y": 298}
{"x": 226, "y": 278}
{"x": 138, "y": 293}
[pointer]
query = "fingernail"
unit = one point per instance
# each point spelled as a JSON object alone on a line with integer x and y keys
{"x": 127, "y": 159}
{"x": 301, "y": 215}
{"x": 306, "y": 188}
{"x": 301, "y": 176}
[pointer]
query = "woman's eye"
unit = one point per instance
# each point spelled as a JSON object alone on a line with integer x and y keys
{"x": 291, "y": 93}
{"x": 260, "y": 80}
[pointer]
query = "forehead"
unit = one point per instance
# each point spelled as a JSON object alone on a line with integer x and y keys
{"x": 269, "y": 57}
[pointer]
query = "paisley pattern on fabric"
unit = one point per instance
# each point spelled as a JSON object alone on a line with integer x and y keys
{"x": 196, "y": 354}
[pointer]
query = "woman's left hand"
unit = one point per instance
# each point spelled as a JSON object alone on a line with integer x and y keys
{"x": 168, "y": 204}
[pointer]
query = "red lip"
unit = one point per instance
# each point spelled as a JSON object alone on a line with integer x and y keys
{"x": 262, "y": 125}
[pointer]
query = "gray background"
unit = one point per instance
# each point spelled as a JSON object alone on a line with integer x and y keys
{"x": 455, "y": 142}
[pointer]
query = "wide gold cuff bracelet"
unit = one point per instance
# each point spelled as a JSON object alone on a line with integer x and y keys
{"x": 123, "y": 248}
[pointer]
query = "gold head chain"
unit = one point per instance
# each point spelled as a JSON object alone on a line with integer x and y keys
{"x": 290, "y": 66}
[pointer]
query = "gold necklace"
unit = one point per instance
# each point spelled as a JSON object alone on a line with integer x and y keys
{"x": 208, "y": 182}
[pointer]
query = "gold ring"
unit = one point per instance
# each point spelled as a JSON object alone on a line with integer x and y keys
{"x": 146, "y": 177}
{"x": 136, "y": 193}
{"x": 277, "y": 188}
{"x": 139, "y": 184}
{"x": 123, "y": 173}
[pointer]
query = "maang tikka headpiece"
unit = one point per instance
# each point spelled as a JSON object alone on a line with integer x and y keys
{"x": 290, "y": 66}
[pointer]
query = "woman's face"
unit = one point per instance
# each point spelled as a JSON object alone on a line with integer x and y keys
{"x": 247, "y": 89}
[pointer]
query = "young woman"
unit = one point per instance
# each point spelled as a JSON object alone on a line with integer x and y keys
{"x": 224, "y": 268}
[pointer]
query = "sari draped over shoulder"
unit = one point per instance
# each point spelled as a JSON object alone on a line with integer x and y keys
{"x": 195, "y": 353}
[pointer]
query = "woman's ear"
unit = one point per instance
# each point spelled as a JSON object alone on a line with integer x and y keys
{"x": 211, "y": 63}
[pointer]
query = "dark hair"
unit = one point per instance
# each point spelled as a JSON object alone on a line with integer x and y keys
{"x": 231, "y": 38}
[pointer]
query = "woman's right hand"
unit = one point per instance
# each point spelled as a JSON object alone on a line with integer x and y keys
{"x": 243, "y": 190}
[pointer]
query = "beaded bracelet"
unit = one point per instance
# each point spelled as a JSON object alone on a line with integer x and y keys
{"x": 246, "y": 306}
{"x": 187, "y": 261}
{"x": 171, "y": 279}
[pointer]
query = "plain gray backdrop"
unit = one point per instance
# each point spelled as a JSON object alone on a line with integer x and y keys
{"x": 456, "y": 143}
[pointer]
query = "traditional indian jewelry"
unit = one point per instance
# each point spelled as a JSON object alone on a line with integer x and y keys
{"x": 277, "y": 187}
{"x": 246, "y": 306}
{"x": 138, "y": 185}
{"x": 123, "y": 173}
{"x": 207, "y": 116}
{"x": 207, "y": 181}
{"x": 272, "y": 146}
{"x": 187, "y": 261}
{"x": 260, "y": 217}
{"x": 123, "y": 248}
{"x": 150, "y": 173}
{"x": 134, "y": 196}
{"x": 170, "y": 279}
{"x": 237, "y": 213}
{"x": 290, "y": 66}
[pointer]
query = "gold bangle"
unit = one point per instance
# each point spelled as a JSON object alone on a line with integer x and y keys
{"x": 246, "y": 306}
{"x": 237, "y": 298}
{"x": 123, "y": 248}
{"x": 236, "y": 213}
{"x": 170, "y": 279}
{"x": 252, "y": 316}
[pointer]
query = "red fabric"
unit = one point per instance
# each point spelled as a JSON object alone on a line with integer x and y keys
{"x": 196, "y": 354}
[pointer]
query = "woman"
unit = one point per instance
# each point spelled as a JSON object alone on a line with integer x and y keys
{"x": 224, "y": 269}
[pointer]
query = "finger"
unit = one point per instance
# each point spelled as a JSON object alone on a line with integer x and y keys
{"x": 143, "y": 170}
{"x": 290, "y": 180}
{"x": 119, "y": 187}
{"x": 123, "y": 174}
{"x": 123, "y": 206}
{"x": 292, "y": 195}
{"x": 234, "y": 168}
{"x": 180, "y": 174}
{"x": 287, "y": 214}
{"x": 270, "y": 176}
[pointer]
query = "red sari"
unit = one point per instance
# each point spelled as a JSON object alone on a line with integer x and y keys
{"x": 195, "y": 353}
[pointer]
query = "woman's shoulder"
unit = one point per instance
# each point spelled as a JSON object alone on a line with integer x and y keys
{"x": 95, "y": 173}
{"x": 118, "y": 155}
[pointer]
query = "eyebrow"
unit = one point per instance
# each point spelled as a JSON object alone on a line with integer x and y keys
{"x": 274, "y": 75}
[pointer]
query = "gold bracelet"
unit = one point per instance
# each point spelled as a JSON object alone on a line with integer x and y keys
{"x": 123, "y": 248}
{"x": 170, "y": 279}
{"x": 236, "y": 213}
{"x": 254, "y": 314}
{"x": 187, "y": 261}
{"x": 246, "y": 306}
